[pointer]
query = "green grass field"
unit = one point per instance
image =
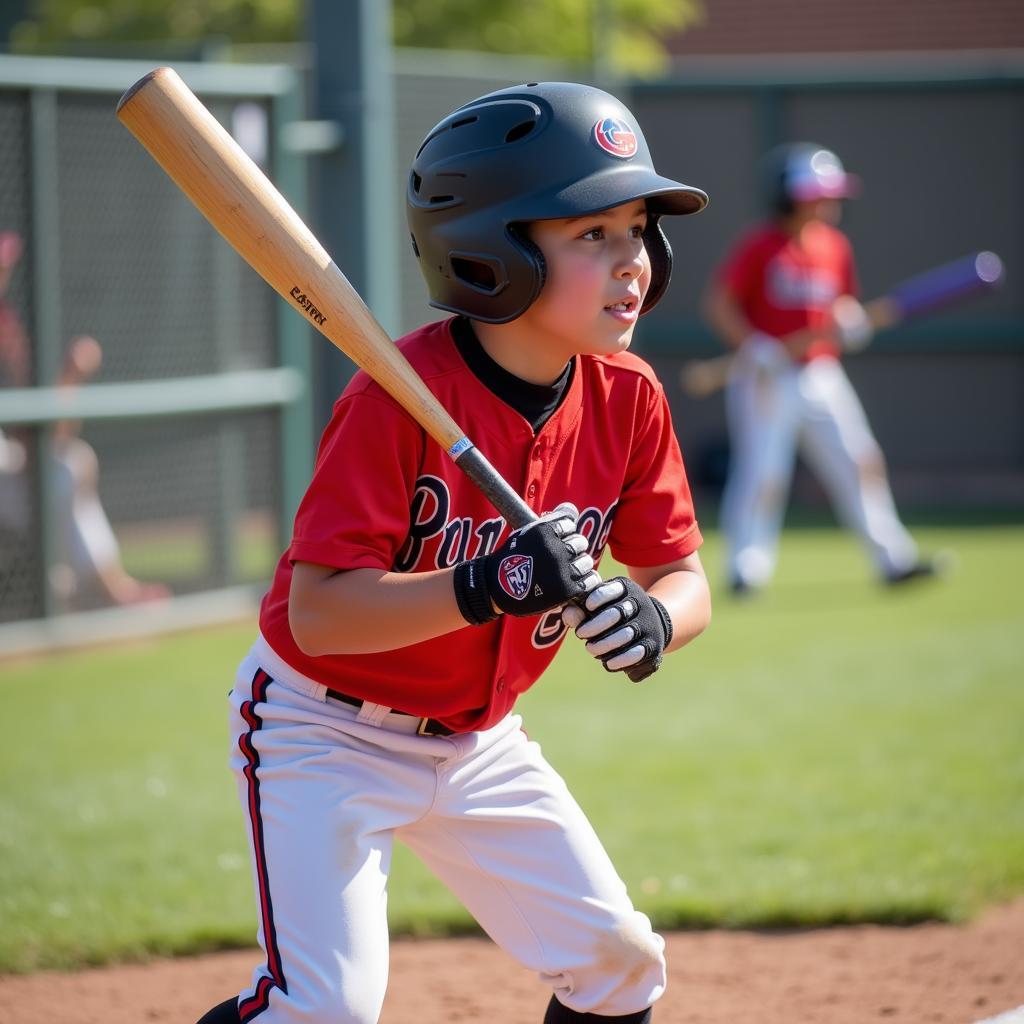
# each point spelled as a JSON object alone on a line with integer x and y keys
{"x": 832, "y": 752}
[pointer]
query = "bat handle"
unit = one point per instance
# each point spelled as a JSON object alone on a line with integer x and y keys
{"x": 472, "y": 462}
{"x": 516, "y": 512}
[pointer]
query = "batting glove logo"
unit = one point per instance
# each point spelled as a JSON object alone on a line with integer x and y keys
{"x": 615, "y": 137}
{"x": 515, "y": 574}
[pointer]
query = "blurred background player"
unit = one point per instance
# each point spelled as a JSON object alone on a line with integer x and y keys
{"x": 89, "y": 569}
{"x": 774, "y": 302}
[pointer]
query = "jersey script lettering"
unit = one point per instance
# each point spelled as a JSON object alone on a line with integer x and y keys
{"x": 437, "y": 540}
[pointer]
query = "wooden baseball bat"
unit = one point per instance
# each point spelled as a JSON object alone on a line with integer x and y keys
{"x": 918, "y": 296}
{"x": 238, "y": 199}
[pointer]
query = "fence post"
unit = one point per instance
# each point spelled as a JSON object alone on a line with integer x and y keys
{"x": 47, "y": 325}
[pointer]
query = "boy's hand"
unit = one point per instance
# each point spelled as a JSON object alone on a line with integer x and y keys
{"x": 851, "y": 324}
{"x": 539, "y": 567}
{"x": 625, "y": 628}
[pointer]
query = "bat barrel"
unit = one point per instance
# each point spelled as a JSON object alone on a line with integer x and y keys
{"x": 947, "y": 284}
{"x": 238, "y": 199}
{"x": 140, "y": 84}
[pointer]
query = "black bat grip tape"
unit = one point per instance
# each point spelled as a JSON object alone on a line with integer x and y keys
{"x": 516, "y": 512}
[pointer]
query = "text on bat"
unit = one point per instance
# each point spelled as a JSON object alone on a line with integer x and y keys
{"x": 307, "y": 304}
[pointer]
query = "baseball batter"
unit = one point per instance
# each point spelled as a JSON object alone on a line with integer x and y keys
{"x": 785, "y": 299}
{"x": 404, "y": 619}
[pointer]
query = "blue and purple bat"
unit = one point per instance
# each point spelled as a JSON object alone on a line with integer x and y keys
{"x": 934, "y": 289}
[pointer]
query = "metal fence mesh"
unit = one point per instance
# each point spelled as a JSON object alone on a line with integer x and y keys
{"x": 140, "y": 267}
{"x": 193, "y": 501}
{"x": 21, "y": 595}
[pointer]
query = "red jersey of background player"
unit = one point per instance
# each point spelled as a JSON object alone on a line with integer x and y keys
{"x": 383, "y": 495}
{"x": 785, "y": 284}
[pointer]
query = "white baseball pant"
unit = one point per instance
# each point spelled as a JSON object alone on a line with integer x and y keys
{"x": 813, "y": 406}
{"x": 326, "y": 789}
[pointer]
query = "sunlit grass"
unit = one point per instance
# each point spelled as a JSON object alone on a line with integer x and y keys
{"x": 831, "y": 752}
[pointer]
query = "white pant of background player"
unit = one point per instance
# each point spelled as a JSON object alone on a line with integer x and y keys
{"x": 334, "y": 786}
{"x": 772, "y": 412}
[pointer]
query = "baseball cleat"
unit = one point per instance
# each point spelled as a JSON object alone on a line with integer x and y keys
{"x": 741, "y": 589}
{"x": 927, "y": 568}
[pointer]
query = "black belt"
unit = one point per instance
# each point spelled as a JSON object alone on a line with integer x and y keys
{"x": 428, "y": 726}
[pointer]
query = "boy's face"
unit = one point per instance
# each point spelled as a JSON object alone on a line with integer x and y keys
{"x": 598, "y": 273}
{"x": 829, "y": 211}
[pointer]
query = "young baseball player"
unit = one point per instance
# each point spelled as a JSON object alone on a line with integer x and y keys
{"x": 404, "y": 620}
{"x": 785, "y": 299}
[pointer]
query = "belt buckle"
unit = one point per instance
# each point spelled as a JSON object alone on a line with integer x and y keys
{"x": 423, "y": 729}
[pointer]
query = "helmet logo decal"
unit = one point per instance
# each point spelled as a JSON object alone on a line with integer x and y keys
{"x": 515, "y": 574}
{"x": 615, "y": 137}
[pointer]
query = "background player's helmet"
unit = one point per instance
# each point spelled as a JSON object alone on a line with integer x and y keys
{"x": 804, "y": 171}
{"x": 531, "y": 152}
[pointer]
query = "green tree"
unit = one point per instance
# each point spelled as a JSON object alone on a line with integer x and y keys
{"x": 629, "y": 33}
{"x": 53, "y": 24}
{"x": 560, "y": 29}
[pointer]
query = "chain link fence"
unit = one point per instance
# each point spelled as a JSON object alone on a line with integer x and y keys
{"x": 197, "y": 426}
{"x": 125, "y": 499}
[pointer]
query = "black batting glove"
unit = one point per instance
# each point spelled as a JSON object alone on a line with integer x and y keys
{"x": 626, "y": 629}
{"x": 539, "y": 567}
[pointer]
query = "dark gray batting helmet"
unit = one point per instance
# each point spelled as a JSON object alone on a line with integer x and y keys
{"x": 532, "y": 152}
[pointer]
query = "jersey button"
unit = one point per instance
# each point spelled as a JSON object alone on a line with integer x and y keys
{"x": 500, "y": 684}
{"x": 531, "y": 490}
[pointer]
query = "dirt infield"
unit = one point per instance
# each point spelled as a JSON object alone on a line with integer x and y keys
{"x": 927, "y": 973}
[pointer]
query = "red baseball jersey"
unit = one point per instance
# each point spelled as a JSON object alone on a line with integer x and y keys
{"x": 384, "y": 495}
{"x": 784, "y": 284}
